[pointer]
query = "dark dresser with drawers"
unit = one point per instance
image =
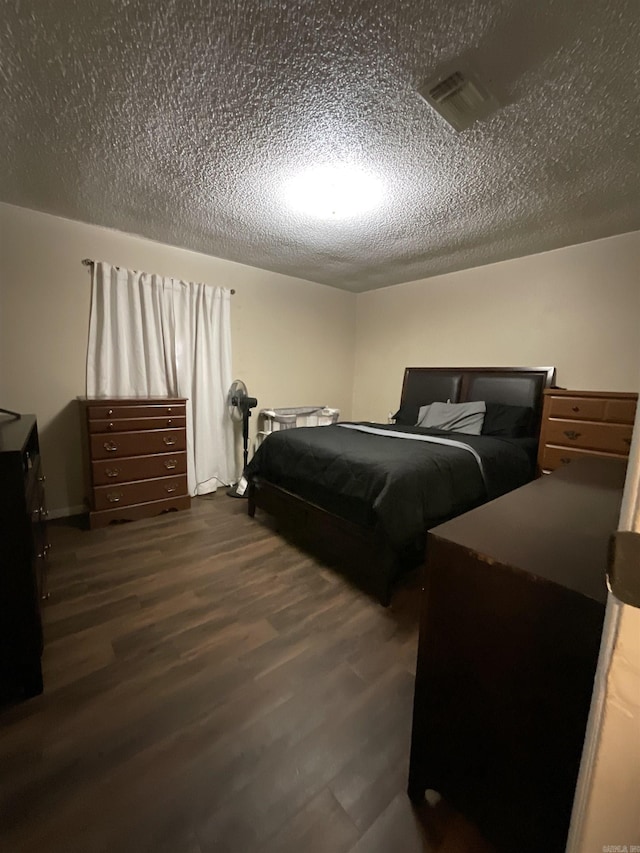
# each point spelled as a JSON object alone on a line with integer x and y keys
{"x": 583, "y": 424}
{"x": 513, "y": 605}
{"x": 135, "y": 457}
{"x": 23, "y": 554}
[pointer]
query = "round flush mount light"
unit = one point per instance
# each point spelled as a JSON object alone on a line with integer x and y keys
{"x": 333, "y": 192}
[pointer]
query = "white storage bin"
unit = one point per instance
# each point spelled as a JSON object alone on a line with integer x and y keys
{"x": 276, "y": 419}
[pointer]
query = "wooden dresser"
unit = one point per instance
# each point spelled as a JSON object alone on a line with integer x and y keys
{"x": 136, "y": 459}
{"x": 578, "y": 424}
{"x": 513, "y": 605}
{"x": 23, "y": 556}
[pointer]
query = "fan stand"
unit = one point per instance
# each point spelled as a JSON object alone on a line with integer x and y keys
{"x": 240, "y": 488}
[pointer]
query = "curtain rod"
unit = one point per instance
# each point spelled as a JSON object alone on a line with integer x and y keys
{"x": 89, "y": 263}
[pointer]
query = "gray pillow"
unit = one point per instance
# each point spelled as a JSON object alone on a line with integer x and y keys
{"x": 422, "y": 413}
{"x": 456, "y": 417}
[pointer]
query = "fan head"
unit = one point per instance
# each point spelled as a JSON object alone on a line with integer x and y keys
{"x": 235, "y": 399}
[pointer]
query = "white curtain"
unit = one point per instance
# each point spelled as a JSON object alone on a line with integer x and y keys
{"x": 153, "y": 336}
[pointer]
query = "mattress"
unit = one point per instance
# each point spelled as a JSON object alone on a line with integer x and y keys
{"x": 391, "y": 477}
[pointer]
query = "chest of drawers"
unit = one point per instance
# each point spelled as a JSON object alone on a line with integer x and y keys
{"x": 135, "y": 458}
{"x": 513, "y": 605}
{"x": 23, "y": 557}
{"x": 581, "y": 424}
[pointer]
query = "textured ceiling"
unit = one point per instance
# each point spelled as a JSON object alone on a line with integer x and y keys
{"x": 182, "y": 121}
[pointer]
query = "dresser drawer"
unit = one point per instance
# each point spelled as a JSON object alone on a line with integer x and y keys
{"x": 143, "y": 443}
{"x": 613, "y": 438}
{"x": 124, "y": 494}
{"x": 580, "y": 408}
{"x": 119, "y": 514}
{"x": 610, "y": 409}
{"x": 131, "y": 424}
{"x": 138, "y": 468}
{"x": 553, "y": 457}
{"x": 143, "y": 410}
{"x": 621, "y": 411}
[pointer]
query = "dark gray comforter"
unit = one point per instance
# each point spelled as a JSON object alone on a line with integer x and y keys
{"x": 402, "y": 485}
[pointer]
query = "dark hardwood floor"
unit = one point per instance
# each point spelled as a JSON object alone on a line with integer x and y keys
{"x": 210, "y": 687}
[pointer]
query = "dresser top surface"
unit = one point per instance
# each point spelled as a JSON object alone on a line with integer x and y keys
{"x": 14, "y": 432}
{"x": 556, "y": 528}
{"x": 569, "y": 392}
{"x": 102, "y": 401}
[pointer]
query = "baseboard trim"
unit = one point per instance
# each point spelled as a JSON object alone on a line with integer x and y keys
{"x": 66, "y": 511}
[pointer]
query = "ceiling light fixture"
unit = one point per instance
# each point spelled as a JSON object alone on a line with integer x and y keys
{"x": 333, "y": 192}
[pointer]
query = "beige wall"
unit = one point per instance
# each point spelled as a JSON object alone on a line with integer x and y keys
{"x": 576, "y": 308}
{"x": 295, "y": 342}
{"x": 292, "y": 340}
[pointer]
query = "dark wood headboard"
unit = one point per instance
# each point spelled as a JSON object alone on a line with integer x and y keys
{"x": 516, "y": 386}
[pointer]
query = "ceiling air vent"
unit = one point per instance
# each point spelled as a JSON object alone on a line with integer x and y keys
{"x": 460, "y": 98}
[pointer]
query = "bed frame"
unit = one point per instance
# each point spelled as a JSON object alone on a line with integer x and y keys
{"x": 363, "y": 552}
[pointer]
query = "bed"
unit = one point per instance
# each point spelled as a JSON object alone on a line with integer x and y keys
{"x": 362, "y": 495}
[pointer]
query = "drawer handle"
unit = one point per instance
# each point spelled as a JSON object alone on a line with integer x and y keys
{"x": 111, "y": 446}
{"x": 565, "y": 460}
{"x": 112, "y": 472}
{"x": 42, "y": 479}
{"x": 109, "y": 413}
{"x": 169, "y": 410}
{"x": 572, "y": 434}
{"x": 168, "y": 440}
{"x": 170, "y": 489}
{"x": 575, "y": 409}
{"x": 170, "y": 464}
{"x": 110, "y": 426}
{"x": 169, "y": 422}
{"x": 114, "y": 497}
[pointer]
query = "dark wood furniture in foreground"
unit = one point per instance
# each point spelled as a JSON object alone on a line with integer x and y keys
{"x": 577, "y": 424}
{"x": 23, "y": 555}
{"x": 135, "y": 458}
{"x": 362, "y": 551}
{"x": 513, "y": 605}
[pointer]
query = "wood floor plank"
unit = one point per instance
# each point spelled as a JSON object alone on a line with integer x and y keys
{"x": 397, "y": 828}
{"x": 211, "y": 687}
{"x": 319, "y": 826}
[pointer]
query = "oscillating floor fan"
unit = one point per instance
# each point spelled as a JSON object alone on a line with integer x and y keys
{"x": 240, "y": 404}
